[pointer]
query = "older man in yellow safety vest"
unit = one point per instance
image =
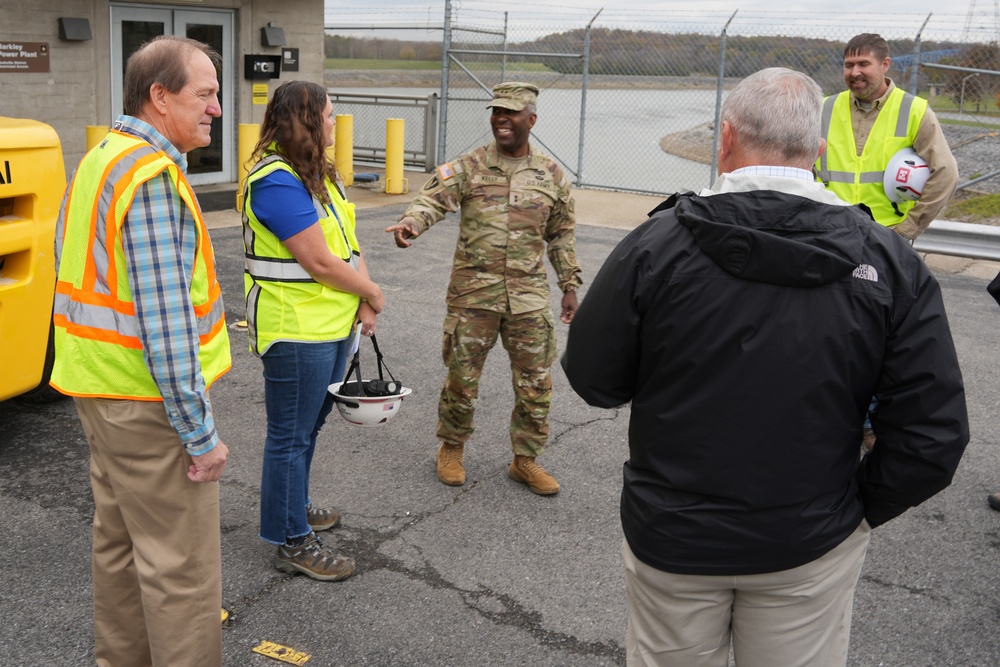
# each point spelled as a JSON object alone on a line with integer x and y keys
{"x": 140, "y": 336}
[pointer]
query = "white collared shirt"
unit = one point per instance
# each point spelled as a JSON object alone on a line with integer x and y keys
{"x": 790, "y": 180}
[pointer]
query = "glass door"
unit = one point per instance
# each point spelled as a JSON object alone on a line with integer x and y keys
{"x": 133, "y": 26}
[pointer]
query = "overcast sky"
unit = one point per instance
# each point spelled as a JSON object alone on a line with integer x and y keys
{"x": 900, "y": 17}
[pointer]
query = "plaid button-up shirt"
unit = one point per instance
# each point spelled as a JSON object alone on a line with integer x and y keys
{"x": 160, "y": 240}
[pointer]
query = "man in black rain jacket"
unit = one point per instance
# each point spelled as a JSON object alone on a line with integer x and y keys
{"x": 750, "y": 326}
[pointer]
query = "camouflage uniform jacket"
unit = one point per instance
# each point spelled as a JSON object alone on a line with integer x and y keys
{"x": 509, "y": 214}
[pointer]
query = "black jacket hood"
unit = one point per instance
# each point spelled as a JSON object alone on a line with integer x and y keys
{"x": 760, "y": 236}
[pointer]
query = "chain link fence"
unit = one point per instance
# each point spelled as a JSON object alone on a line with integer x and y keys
{"x": 630, "y": 104}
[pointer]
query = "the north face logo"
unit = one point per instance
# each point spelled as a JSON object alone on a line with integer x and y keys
{"x": 866, "y": 272}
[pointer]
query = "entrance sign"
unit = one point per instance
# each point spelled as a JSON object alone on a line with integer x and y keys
{"x": 24, "y": 56}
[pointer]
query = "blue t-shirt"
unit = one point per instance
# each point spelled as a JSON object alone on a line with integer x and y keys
{"x": 282, "y": 204}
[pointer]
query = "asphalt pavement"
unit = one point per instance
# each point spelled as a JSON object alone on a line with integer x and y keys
{"x": 488, "y": 573}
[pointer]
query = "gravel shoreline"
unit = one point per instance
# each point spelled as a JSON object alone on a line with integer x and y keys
{"x": 977, "y": 151}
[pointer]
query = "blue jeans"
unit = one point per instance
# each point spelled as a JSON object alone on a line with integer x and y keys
{"x": 296, "y": 377}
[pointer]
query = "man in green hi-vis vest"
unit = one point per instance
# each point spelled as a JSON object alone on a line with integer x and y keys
{"x": 866, "y": 125}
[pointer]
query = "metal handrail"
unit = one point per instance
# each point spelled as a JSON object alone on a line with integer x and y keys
{"x": 422, "y": 157}
{"x": 960, "y": 239}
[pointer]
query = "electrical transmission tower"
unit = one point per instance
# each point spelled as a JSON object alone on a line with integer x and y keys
{"x": 971, "y": 19}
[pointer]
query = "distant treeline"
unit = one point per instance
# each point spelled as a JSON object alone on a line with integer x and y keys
{"x": 648, "y": 53}
{"x": 375, "y": 48}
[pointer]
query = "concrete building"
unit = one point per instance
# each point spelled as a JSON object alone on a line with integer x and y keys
{"x": 62, "y": 62}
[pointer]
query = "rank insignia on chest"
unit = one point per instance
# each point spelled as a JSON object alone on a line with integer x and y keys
{"x": 445, "y": 171}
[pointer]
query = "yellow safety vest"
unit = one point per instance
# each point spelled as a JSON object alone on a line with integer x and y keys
{"x": 98, "y": 350}
{"x": 858, "y": 179}
{"x": 285, "y": 303}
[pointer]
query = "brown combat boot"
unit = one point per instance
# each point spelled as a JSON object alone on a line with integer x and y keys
{"x": 449, "y": 464}
{"x": 524, "y": 469}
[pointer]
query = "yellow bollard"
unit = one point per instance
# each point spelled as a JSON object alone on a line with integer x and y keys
{"x": 343, "y": 148}
{"x": 249, "y": 134}
{"x": 95, "y": 135}
{"x": 394, "y": 181}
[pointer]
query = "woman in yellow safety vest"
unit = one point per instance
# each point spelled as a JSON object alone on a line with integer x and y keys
{"x": 306, "y": 286}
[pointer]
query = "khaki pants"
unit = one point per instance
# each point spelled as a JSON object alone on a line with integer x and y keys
{"x": 157, "y": 570}
{"x": 793, "y": 618}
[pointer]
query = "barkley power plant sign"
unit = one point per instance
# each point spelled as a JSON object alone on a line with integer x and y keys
{"x": 24, "y": 56}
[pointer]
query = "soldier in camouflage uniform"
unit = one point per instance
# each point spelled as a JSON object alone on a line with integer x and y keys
{"x": 515, "y": 205}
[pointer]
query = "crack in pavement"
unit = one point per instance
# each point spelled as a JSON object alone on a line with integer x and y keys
{"x": 515, "y": 615}
{"x": 612, "y": 415}
{"x": 512, "y": 613}
{"x": 366, "y": 543}
{"x": 913, "y": 590}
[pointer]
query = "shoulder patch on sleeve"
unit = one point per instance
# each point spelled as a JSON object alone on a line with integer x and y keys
{"x": 445, "y": 171}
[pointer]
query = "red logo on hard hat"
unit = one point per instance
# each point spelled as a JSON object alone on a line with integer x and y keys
{"x": 902, "y": 174}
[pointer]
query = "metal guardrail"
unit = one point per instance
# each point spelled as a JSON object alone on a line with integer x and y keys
{"x": 370, "y": 111}
{"x": 960, "y": 239}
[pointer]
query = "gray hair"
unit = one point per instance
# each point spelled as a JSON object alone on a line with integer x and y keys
{"x": 776, "y": 113}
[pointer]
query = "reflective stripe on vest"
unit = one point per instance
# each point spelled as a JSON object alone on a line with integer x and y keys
{"x": 98, "y": 345}
{"x": 285, "y": 303}
{"x": 859, "y": 179}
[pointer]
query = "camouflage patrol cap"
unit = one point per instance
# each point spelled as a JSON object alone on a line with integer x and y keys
{"x": 513, "y": 95}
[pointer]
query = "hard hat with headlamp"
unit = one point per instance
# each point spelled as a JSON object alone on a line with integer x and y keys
{"x": 371, "y": 402}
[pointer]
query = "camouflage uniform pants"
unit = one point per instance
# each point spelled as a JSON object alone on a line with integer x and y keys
{"x": 529, "y": 338}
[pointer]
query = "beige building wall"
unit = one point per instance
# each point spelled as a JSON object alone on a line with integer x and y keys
{"x": 63, "y": 97}
{"x": 76, "y": 92}
{"x": 302, "y": 22}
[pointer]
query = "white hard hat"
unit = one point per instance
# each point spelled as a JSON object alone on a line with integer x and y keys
{"x": 905, "y": 176}
{"x": 366, "y": 410}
